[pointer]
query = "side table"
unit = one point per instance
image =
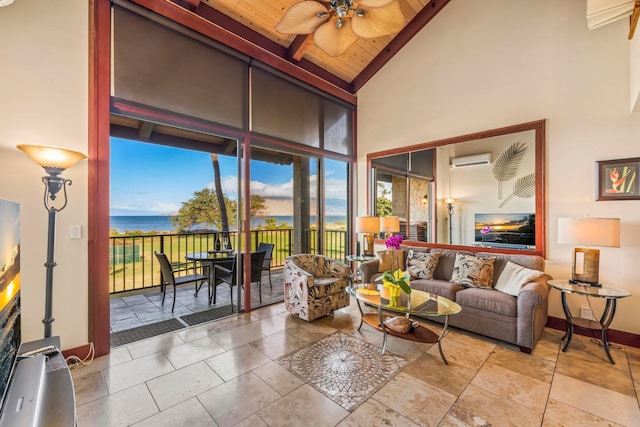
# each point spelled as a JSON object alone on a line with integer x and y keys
{"x": 610, "y": 294}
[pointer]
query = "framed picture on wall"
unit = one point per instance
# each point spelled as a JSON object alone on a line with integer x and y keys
{"x": 618, "y": 179}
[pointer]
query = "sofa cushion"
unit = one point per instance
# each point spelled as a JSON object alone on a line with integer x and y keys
{"x": 442, "y": 288}
{"x": 488, "y": 300}
{"x": 470, "y": 270}
{"x": 445, "y": 265}
{"x": 514, "y": 277}
{"x": 391, "y": 259}
{"x": 421, "y": 265}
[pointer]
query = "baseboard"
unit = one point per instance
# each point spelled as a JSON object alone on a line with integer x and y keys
{"x": 619, "y": 337}
{"x": 80, "y": 352}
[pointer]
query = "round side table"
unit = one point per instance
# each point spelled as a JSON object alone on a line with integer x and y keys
{"x": 610, "y": 294}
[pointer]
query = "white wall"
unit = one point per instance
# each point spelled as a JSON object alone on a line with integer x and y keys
{"x": 43, "y": 101}
{"x": 484, "y": 65}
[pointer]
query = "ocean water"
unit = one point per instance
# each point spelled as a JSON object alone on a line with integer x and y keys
{"x": 162, "y": 223}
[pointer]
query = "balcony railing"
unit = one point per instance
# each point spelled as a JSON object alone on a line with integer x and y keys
{"x": 133, "y": 266}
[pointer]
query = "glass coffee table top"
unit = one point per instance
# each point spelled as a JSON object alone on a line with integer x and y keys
{"x": 422, "y": 303}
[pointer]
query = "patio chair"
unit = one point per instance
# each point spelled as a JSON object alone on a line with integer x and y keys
{"x": 221, "y": 274}
{"x": 169, "y": 278}
{"x": 267, "y": 248}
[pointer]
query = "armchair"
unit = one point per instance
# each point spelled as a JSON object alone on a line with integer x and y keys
{"x": 315, "y": 286}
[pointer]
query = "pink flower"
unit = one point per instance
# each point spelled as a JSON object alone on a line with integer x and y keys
{"x": 486, "y": 230}
{"x": 394, "y": 242}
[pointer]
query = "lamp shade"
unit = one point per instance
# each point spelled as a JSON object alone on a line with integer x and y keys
{"x": 367, "y": 224}
{"x": 390, "y": 224}
{"x": 589, "y": 231}
{"x": 52, "y": 157}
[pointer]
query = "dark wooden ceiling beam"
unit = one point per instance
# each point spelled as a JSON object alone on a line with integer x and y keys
{"x": 191, "y": 5}
{"x": 417, "y": 23}
{"x": 299, "y": 46}
{"x": 144, "y": 130}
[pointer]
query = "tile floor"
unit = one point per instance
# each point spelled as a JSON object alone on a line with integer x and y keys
{"x": 223, "y": 373}
{"x": 138, "y": 308}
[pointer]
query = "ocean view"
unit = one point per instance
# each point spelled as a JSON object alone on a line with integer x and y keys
{"x": 161, "y": 223}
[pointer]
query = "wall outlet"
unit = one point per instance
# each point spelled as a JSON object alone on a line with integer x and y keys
{"x": 587, "y": 313}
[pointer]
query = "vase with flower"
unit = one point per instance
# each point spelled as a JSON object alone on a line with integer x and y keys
{"x": 485, "y": 230}
{"x": 396, "y": 280}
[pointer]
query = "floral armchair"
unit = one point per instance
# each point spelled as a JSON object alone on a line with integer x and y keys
{"x": 315, "y": 286}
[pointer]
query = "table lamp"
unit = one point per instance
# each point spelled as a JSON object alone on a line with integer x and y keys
{"x": 588, "y": 232}
{"x": 389, "y": 225}
{"x": 54, "y": 161}
{"x": 369, "y": 225}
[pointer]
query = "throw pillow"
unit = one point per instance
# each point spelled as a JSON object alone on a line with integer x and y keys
{"x": 514, "y": 277}
{"x": 390, "y": 259}
{"x": 472, "y": 271}
{"x": 421, "y": 265}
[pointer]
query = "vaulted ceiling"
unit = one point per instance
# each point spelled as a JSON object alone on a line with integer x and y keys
{"x": 253, "y": 23}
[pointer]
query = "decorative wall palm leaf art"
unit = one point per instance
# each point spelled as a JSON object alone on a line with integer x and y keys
{"x": 506, "y": 166}
{"x": 525, "y": 187}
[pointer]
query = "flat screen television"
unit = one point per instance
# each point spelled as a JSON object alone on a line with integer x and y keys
{"x": 9, "y": 291}
{"x": 510, "y": 230}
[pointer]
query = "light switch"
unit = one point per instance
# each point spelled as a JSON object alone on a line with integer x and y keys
{"x": 75, "y": 232}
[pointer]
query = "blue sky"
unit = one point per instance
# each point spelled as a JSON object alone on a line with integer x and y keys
{"x": 149, "y": 179}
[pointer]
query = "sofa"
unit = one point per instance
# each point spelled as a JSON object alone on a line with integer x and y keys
{"x": 315, "y": 286}
{"x": 516, "y": 314}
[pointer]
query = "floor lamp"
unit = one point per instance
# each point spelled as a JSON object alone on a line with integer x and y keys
{"x": 54, "y": 161}
{"x": 450, "y": 212}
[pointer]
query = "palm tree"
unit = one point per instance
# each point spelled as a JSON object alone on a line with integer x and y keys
{"x": 224, "y": 218}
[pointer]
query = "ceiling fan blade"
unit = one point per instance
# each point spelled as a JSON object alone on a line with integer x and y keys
{"x": 302, "y": 18}
{"x": 379, "y": 21}
{"x": 374, "y": 3}
{"x": 333, "y": 40}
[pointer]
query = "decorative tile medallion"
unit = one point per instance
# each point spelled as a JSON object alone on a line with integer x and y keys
{"x": 343, "y": 368}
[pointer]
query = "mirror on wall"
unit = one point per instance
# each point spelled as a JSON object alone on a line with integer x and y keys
{"x": 480, "y": 190}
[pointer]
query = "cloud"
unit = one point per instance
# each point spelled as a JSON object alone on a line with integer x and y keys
{"x": 334, "y": 188}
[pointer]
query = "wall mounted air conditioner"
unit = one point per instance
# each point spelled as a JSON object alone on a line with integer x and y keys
{"x": 476, "y": 159}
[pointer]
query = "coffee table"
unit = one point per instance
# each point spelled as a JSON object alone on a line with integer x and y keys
{"x": 421, "y": 304}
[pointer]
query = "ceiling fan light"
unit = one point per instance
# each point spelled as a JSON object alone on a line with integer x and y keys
{"x": 322, "y": 14}
{"x": 339, "y": 23}
{"x": 335, "y": 41}
{"x": 360, "y": 13}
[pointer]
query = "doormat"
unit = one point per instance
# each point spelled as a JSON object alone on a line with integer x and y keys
{"x": 208, "y": 315}
{"x": 146, "y": 331}
{"x": 343, "y": 368}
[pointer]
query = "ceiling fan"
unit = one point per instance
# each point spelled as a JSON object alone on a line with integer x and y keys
{"x": 337, "y": 24}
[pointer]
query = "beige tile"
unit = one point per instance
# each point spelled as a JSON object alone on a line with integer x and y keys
{"x": 115, "y": 357}
{"x": 178, "y": 386}
{"x": 559, "y": 415}
{"x": 136, "y": 371}
{"x": 452, "y": 378}
{"x": 338, "y": 320}
{"x": 193, "y": 351}
{"x": 188, "y": 413}
{"x": 153, "y": 345}
{"x": 278, "y": 378}
{"x": 409, "y": 350}
{"x": 549, "y": 345}
{"x": 514, "y": 386}
{"x": 89, "y": 387}
{"x": 252, "y": 421}
{"x": 310, "y": 331}
{"x": 633, "y": 355}
{"x": 236, "y": 362}
{"x": 463, "y": 353}
{"x": 119, "y": 409}
{"x": 374, "y": 414}
{"x": 236, "y": 337}
{"x": 595, "y": 400}
{"x": 588, "y": 349}
{"x": 478, "y": 407}
{"x": 229, "y": 323}
{"x": 597, "y": 372}
{"x": 450, "y": 421}
{"x": 539, "y": 368}
{"x": 279, "y": 344}
{"x": 303, "y": 406}
{"x": 409, "y": 397}
{"x": 233, "y": 401}
{"x": 273, "y": 324}
{"x": 268, "y": 311}
{"x": 469, "y": 338}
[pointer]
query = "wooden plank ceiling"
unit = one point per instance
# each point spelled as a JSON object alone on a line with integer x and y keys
{"x": 255, "y": 22}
